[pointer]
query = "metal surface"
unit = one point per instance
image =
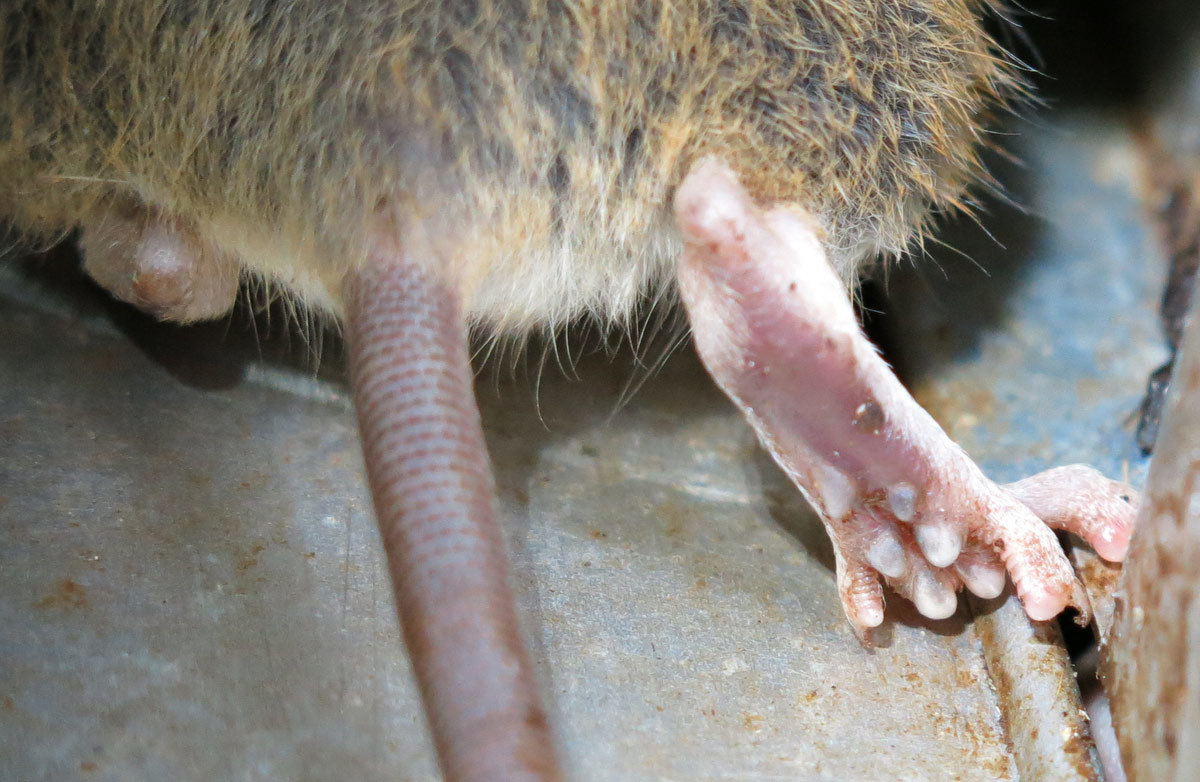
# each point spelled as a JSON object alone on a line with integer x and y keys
{"x": 193, "y": 587}
{"x": 1152, "y": 668}
{"x": 1032, "y": 675}
{"x": 1154, "y": 657}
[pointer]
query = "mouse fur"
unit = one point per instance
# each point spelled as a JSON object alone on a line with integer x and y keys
{"x": 538, "y": 144}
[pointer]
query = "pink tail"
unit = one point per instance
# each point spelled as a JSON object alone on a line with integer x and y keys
{"x": 434, "y": 497}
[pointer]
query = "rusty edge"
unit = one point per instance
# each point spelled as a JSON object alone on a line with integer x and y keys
{"x": 1035, "y": 686}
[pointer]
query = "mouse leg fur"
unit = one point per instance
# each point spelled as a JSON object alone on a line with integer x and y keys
{"x": 434, "y": 497}
{"x": 776, "y": 329}
{"x": 155, "y": 263}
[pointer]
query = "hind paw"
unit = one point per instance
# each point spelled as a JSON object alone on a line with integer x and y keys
{"x": 774, "y": 325}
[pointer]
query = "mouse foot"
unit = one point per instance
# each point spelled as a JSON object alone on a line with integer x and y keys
{"x": 775, "y": 328}
{"x": 158, "y": 265}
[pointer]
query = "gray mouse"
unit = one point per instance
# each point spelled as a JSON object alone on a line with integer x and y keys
{"x": 420, "y": 169}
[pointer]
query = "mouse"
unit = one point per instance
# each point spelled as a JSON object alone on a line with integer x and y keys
{"x": 419, "y": 172}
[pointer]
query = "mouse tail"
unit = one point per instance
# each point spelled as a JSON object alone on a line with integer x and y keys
{"x": 434, "y": 496}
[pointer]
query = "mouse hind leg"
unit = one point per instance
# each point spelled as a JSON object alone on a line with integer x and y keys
{"x": 158, "y": 264}
{"x": 775, "y": 327}
{"x": 433, "y": 491}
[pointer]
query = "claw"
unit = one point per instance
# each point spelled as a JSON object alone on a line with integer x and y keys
{"x": 1079, "y": 601}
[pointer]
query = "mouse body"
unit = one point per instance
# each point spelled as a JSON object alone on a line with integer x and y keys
{"x": 417, "y": 170}
{"x": 547, "y": 138}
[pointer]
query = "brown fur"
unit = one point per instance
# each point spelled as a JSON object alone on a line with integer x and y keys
{"x": 537, "y": 144}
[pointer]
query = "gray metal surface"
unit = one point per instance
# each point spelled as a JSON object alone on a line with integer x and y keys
{"x": 192, "y": 585}
{"x": 1151, "y": 668}
{"x": 1154, "y": 658}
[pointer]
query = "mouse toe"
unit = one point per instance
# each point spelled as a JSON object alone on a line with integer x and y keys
{"x": 1080, "y": 500}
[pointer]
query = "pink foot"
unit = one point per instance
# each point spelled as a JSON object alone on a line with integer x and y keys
{"x": 158, "y": 266}
{"x": 774, "y": 326}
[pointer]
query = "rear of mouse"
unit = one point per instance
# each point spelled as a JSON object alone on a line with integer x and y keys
{"x": 418, "y": 170}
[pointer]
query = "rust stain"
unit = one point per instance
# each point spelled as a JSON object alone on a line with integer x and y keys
{"x": 1100, "y": 574}
{"x": 252, "y": 559}
{"x": 808, "y": 697}
{"x": 7, "y": 703}
{"x": 67, "y": 594}
{"x": 753, "y": 722}
{"x": 88, "y": 766}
